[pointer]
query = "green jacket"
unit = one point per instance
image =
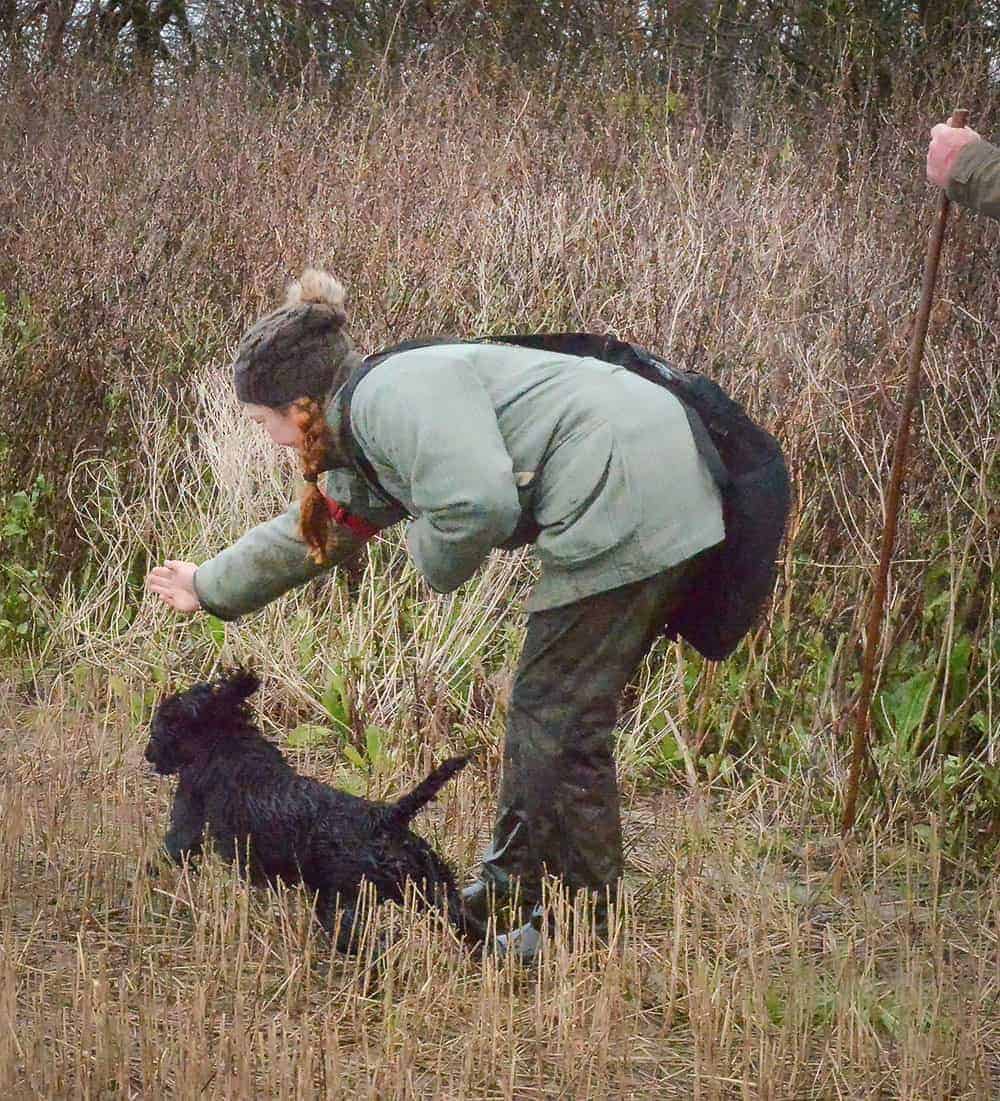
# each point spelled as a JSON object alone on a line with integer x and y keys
{"x": 976, "y": 179}
{"x": 469, "y": 436}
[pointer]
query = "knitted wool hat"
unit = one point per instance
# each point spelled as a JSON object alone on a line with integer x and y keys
{"x": 300, "y": 349}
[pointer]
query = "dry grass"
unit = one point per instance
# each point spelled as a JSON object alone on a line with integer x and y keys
{"x": 735, "y": 970}
{"x": 140, "y": 236}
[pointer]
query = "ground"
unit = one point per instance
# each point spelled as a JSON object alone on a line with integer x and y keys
{"x": 753, "y": 956}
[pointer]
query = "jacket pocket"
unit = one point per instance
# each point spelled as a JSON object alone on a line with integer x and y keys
{"x": 590, "y": 505}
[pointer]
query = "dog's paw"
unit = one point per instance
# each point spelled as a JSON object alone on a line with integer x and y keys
{"x": 152, "y": 869}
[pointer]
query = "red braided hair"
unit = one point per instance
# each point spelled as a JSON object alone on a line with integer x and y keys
{"x": 316, "y": 525}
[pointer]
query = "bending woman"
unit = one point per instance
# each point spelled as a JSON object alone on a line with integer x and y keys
{"x": 487, "y": 446}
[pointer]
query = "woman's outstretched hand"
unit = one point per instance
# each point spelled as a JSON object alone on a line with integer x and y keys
{"x": 173, "y": 583}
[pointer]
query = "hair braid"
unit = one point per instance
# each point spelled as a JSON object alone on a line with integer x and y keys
{"x": 316, "y": 441}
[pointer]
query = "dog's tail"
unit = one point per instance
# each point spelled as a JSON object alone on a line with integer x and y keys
{"x": 399, "y": 813}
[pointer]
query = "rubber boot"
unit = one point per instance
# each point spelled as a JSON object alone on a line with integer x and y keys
{"x": 523, "y": 945}
{"x": 487, "y": 910}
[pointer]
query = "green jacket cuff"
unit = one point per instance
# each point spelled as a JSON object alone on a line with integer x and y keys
{"x": 976, "y": 180}
{"x": 206, "y": 604}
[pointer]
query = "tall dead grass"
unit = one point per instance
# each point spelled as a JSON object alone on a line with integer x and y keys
{"x": 141, "y": 235}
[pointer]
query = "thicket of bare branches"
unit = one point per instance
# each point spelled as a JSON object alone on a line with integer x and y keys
{"x": 145, "y": 230}
{"x": 858, "y": 45}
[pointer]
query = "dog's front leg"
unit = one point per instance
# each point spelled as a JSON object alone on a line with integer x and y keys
{"x": 338, "y": 915}
{"x": 187, "y": 827}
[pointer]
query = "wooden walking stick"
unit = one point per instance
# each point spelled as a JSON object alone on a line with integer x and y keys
{"x": 876, "y": 612}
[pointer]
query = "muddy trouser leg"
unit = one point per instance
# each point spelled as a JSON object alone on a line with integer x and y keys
{"x": 558, "y": 809}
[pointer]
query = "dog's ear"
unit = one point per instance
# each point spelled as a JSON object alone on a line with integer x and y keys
{"x": 232, "y": 691}
{"x": 239, "y": 685}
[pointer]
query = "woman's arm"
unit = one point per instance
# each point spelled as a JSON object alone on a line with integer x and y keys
{"x": 262, "y": 565}
{"x": 429, "y": 426}
{"x": 265, "y": 563}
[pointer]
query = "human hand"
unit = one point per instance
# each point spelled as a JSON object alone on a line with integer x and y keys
{"x": 946, "y": 143}
{"x": 173, "y": 583}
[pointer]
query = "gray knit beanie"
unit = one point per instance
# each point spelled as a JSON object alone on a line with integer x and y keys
{"x": 299, "y": 350}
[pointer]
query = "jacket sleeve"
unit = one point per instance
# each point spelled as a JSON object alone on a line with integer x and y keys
{"x": 266, "y": 562}
{"x": 430, "y": 427}
{"x": 273, "y": 557}
{"x": 976, "y": 180}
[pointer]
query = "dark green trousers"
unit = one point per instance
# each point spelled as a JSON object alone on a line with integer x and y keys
{"x": 558, "y": 809}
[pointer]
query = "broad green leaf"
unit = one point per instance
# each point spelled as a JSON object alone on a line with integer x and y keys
{"x": 670, "y": 750}
{"x": 216, "y": 630}
{"x": 373, "y": 744}
{"x": 355, "y": 757}
{"x": 350, "y": 782}
{"x": 307, "y": 736}
{"x": 335, "y": 701}
{"x": 958, "y": 667}
{"x": 902, "y": 706}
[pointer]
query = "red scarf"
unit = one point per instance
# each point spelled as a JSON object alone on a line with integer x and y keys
{"x": 340, "y": 515}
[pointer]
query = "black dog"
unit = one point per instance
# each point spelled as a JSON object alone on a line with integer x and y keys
{"x": 277, "y": 825}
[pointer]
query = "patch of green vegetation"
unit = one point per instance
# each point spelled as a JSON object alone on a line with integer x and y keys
{"x": 25, "y": 560}
{"x": 20, "y": 329}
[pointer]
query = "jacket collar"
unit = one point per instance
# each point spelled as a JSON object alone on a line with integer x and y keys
{"x": 336, "y": 457}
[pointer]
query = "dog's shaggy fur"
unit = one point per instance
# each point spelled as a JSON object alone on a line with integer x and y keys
{"x": 277, "y": 825}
